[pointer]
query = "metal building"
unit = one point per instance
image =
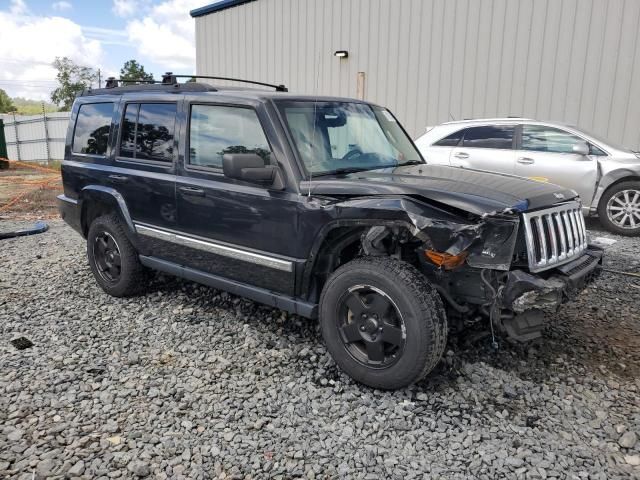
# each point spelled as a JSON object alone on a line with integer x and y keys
{"x": 430, "y": 61}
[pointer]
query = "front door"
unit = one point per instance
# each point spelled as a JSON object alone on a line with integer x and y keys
{"x": 488, "y": 148}
{"x": 546, "y": 154}
{"x": 229, "y": 228}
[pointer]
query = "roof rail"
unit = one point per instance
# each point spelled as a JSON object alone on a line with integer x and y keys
{"x": 113, "y": 82}
{"x": 169, "y": 79}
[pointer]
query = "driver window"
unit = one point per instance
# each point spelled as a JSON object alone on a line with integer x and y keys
{"x": 539, "y": 138}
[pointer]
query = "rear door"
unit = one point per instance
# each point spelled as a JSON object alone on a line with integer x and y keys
{"x": 144, "y": 167}
{"x": 487, "y": 147}
{"x": 546, "y": 153}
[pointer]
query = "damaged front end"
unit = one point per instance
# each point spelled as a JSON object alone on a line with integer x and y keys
{"x": 511, "y": 267}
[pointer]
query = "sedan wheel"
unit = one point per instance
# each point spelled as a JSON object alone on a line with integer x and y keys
{"x": 623, "y": 209}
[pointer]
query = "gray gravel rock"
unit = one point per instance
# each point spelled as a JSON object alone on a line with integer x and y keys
{"x": 189, "y": 382}
{"x": 139, "y": 468}
{"x": 628, "y": 439}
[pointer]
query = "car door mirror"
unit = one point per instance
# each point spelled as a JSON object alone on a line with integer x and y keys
{"x": 251, "y": 167}
{"x": 580, "y": 148}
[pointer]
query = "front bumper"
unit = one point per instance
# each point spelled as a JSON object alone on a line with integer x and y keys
{"x": 529, "y": 296}
{"x": 524, "y": 291}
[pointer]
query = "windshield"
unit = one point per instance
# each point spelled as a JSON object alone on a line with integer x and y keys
{"x": 337, "y": 137}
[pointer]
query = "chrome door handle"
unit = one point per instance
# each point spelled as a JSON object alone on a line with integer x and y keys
{"x": 196, "y": 192}
{"x": 526, "y": 160}
{"x": 118, "y": 178}
{"x": 461, "y": 155}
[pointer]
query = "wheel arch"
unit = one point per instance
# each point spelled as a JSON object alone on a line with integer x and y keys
{"x": 97, "y": 200}
{"x": 329, "y": 248}
{"x": 611, "y": 179}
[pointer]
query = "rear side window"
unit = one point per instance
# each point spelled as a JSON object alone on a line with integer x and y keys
{"x": 93, "y": 123}
{"x": 451, "y": 141}
{"x": 548, "y": 139}
{"x": 490, "y": 136}
{"x": 148, "y": 131}
{"x": 216, "y": 130}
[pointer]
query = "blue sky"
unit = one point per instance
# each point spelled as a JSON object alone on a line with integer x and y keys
{"x": 96, "y": 33}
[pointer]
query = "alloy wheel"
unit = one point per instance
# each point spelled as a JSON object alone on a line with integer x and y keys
{"x": 623, "y": 209}
{"x": 107, "y": 257}
{"x": 371, "y": 326}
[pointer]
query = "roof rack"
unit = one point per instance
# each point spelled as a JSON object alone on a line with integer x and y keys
{"x": 113, "y": 82}
{"x": 150, "y": 88}
{"x": 170, "y": 79}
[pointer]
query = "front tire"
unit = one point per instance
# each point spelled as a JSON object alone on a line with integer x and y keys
{"x": 382, "y": 322}
{"x": 619, "y": 208}
{"x": 113, "y": 259}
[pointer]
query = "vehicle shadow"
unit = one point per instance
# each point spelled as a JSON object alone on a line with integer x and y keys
{"x": 572, "y": 335}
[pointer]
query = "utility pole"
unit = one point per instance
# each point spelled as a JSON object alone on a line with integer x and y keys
{"x": 99, "y": 79}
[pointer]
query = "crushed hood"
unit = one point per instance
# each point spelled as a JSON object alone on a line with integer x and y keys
{"x": 470, "y": 190}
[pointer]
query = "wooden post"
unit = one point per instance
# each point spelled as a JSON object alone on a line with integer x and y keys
{"x": 360, "y": 86}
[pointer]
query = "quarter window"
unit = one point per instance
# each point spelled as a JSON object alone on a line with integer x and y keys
{"x": 216, "y": 130}
{"x": 548, "y": 139}
{"x": 148, "y": 131}
{"x": 451, "y": 141}
{"x": 490, "y": 136}
{"x": 93, "y": 123}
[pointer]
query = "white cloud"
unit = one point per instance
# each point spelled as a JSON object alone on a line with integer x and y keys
{"x": 28, "y": 46}
{"x": 130, "y": 8}
{"x": 61, "y": 6}
{"x": 18, "y": 7}
{"x": 165, "y": 34}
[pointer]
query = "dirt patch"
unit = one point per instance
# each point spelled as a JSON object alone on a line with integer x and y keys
{"x": 29, "y": 192}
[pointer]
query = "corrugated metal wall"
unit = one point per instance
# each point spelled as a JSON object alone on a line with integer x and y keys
{"x": 31, "y": 140}
{"x": 575, "y": 61}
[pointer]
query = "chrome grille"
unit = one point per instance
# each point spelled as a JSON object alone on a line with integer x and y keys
{"x": 554, "y": 236}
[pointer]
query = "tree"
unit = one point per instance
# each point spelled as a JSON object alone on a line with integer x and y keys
{"x": 6, "y": 104}
{"x": 72, "y": 79}
{"x": 132, "y": 70}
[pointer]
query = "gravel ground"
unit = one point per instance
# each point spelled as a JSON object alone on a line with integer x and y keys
{"x": 188, "y": 382}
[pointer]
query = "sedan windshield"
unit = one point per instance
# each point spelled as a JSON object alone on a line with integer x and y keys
{"x": 344, "y": 137}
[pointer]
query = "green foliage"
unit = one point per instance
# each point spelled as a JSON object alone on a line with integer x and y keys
{"x": 25, "y": 106}
{"x": 6, "y": 104}
{"x": 72, "y": 79}
{"x": 132, "y": 70}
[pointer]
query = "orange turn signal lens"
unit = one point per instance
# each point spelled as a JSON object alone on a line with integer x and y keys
{"x": 445, "y": 260}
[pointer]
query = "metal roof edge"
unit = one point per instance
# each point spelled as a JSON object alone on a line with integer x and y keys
{"x": 216, "y": 7}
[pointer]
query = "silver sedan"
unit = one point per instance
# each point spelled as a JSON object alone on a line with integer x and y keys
{"x": 606, "y": 176}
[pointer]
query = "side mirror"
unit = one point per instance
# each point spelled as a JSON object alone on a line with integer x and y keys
{"x": 580, "y": 148}
{"x": 251, "y": 167}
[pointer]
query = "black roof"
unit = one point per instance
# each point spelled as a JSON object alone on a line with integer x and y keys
{"x": 206, "y": 89}
{"x": 216, "y": 7}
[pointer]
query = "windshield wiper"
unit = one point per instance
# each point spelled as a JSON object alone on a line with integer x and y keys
{"x": 345, "y": 170}
{"x": 411, "y": 162}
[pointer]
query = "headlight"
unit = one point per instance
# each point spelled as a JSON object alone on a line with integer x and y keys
{"x": 495, "y": 251}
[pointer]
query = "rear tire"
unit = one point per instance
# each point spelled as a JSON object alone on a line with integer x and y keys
{"x": 383, "y": 322}
{"x": 619, "y": 208}
{"x": 113, "y": 259}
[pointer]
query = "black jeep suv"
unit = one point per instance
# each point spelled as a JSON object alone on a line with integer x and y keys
{"x": 322, "y": 207}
